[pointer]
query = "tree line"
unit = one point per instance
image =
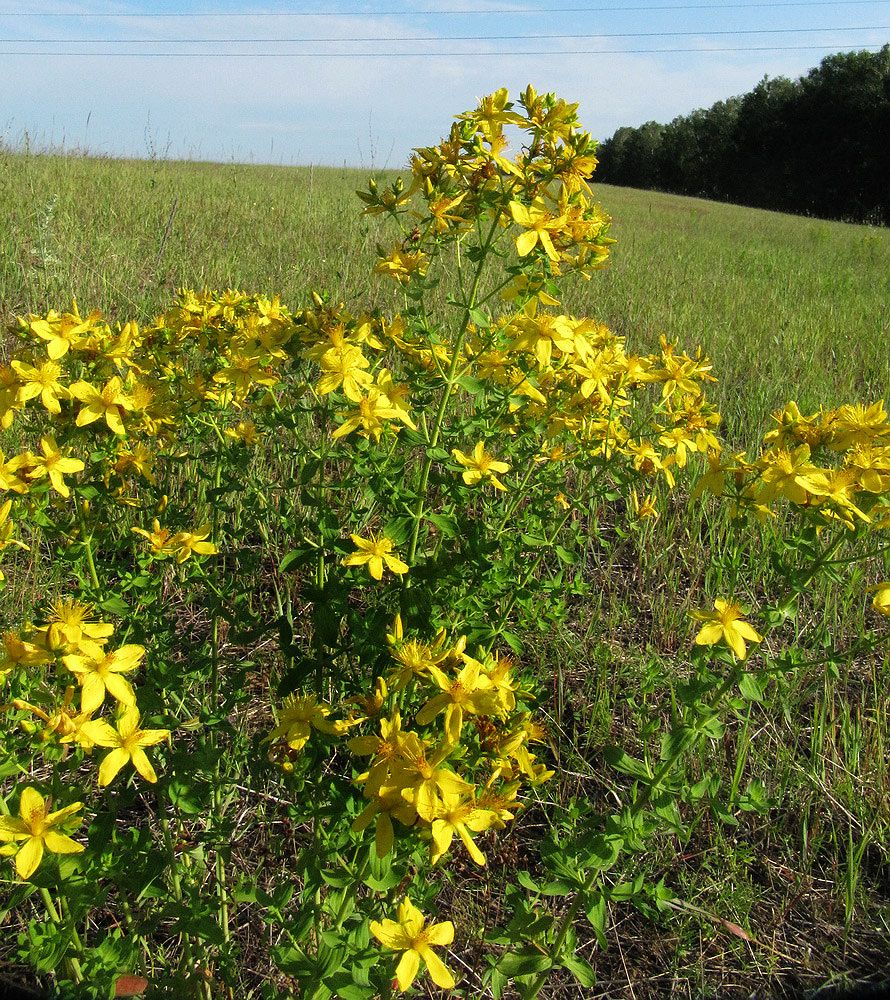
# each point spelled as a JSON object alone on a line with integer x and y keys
{"x": 818, "y": 145}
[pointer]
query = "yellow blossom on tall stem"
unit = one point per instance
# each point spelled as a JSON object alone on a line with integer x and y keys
{"x": 39, "y": 829}
{"x": 725, "y": 623}
{"x": 43, "y": 381}
{"x": 480, "y": 465}
{"x": 461, "y": 816}
{"x": 159, "y": 539}
{"x": 53, "y": 464}
{"x": 375, "y": 551}
{"x": 128, "y": 743}
{"x": 100, "y": 672}
{"x": 539, "y": 224}
{"x": 300, "y": 715}
{"x": 409, "y": 934}
{"x": 68, "y": 624}
{"x": 402, "y": 264}
{"x": 110, "y": 402}
{"x": 7, "y": 526}
{"x": 470, "y": 693}
{"x": 185, "y": 544}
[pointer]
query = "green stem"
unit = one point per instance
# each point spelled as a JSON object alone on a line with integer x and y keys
{"x": 349, "y": 890}
{"x": 636, "y": 807}
{"x": 858, "y": 558}
{"x": 450, "y": 383}
{"x": 519, "y": 497}
{"x": 72, "y": 963}
{"x": 88, "y": 548}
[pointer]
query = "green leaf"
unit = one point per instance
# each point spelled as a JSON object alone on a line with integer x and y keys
{"x": 597, "y": 910}
{"x": 480, "y": 319}
{"x": 398, "y": 529}
{"x": 678, "y": 740}
{"x": 556, "y": 888}
{"x": 533, "y": 541}
{"x": 626, "y": 890}
{"x": 580, "y": 969}
{"x": 446, "y": 525}
{"x": 527, "y": 882}
{"x": 296, "y": 558}
{"x": 753, "y": 686}
{"x": 352, "y": 991}
{"x": 523, "y": 963}
{"x": 623, "y": 762}
{"x": 115, "y": 606}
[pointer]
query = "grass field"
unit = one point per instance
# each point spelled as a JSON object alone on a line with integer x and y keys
{"x": 787, "y": 308}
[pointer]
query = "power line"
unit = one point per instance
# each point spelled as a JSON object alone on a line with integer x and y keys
{"x": 440, "y": 38}
{"x": 397, "y": 55}
{"x": 450, "y": 13}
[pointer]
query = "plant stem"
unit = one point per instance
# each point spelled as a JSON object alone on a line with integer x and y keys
{"x": 450, "y": 382}
{"x": 634, "y": 810}
{"x": 72, "y": 963}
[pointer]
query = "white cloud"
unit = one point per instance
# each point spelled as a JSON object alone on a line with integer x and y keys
{"x": 334, "y": 109}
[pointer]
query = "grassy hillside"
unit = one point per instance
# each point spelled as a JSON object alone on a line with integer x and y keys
{"x": 788, "y": 308}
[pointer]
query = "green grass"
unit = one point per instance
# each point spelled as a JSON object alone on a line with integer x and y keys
{"x": 787, "y": 308}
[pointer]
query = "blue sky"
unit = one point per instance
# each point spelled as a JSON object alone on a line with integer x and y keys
{"x": 252, "y": 82}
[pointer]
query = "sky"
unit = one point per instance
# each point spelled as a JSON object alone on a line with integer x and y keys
{"x": 362, "y": 83}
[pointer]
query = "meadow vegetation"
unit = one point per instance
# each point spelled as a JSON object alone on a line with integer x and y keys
{"x": 449, "y": 597}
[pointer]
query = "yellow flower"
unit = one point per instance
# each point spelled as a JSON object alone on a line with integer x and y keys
{"x": 63, "y": 723}
{"x": 494, "y": 111}
{"x": 184, "y": 544}
{"x": 441, "y": 215}
{"x": 64, "y": 332}
{"x": 421, "y": 780}
{"x": 469, "y": 692}
{"x": 15, "y": 652}
{"x": 858, "y": 424}
{"x": 538, "y": 223}
{"x": 415, "y": 659}
{"x": 6, "y": 529}
{"x": 160, "y": 539}
{"x": 299, "y": 716}
{"x": 644, "y": 508}
{"x": 369, "y": 419}
{"x": 789, "y": 474}
{"x": 128, "y": 744}
{"x": 9, "y": 479}
{"x": 480, "y": 465}
{"x": 244, "y": 433}
{"x": 461, "y": 816}
{"x": 68, "y": 626}
{"x": 139, "y": 459}
{"x": 373, "y": 552}
{"x": 725, "y": 623}
{"x": 37, "y": 827}
{"x": 42, "y": 381}
{"x": 110, "y": 403}
{"x": 344, "y": 366}
{"x": 410, "y": 935}
{"x": 401, "y": 264}
{"x": 99, "y": 672}
{"x": 54, "y": 464}
{"x": 881, "y": 601}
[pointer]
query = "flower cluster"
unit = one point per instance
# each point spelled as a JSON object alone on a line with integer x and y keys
{"x": 458, "y": 771}
{"x": 835, "y": 463}
{"x": 78, "y": 646}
